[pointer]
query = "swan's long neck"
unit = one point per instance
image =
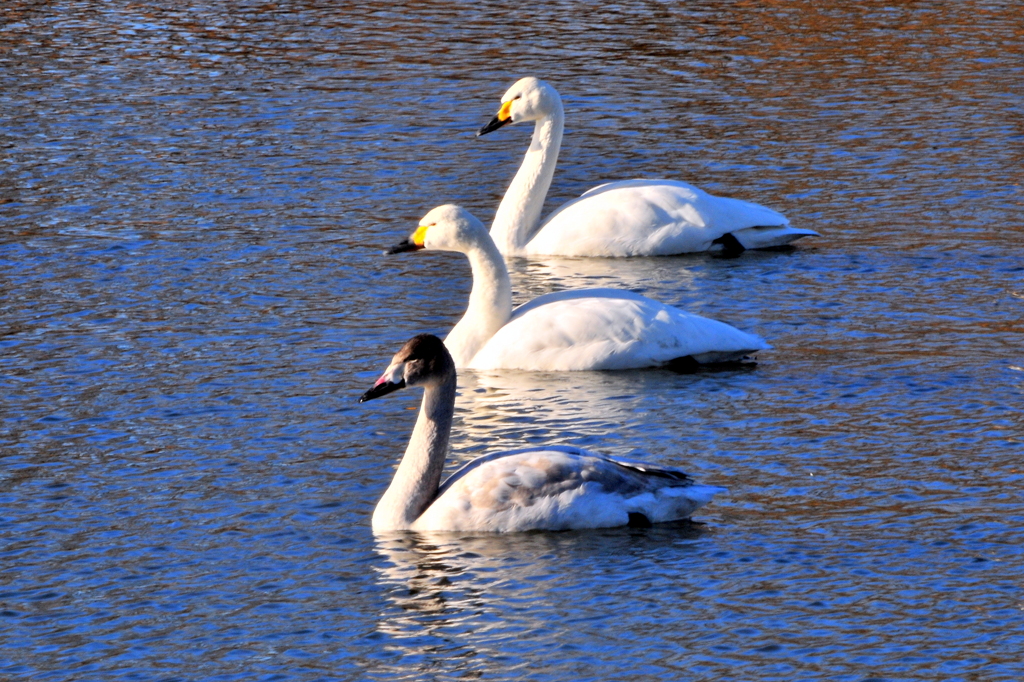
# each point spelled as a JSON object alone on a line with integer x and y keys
{"x": 490, "y": 302}
{"x": 518, "y": 215}
{"x": 419, "y": 473}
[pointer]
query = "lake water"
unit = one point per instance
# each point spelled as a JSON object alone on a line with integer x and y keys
{"x": 193, "y": 204}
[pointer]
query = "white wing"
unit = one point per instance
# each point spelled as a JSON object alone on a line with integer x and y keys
{"x": 557, "y": 488}
{"x": 656, "y": 218}
{"x": 595, "y": 329}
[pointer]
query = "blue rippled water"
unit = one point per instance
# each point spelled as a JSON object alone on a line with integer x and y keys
{"x": 193, "y": 206}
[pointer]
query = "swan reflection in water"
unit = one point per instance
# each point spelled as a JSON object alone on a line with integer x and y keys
{"x": 516, "y": 408}
{"x": 602, "y": 411}
{"x": 538, "y": 276}
{"x": 471, "y": 590}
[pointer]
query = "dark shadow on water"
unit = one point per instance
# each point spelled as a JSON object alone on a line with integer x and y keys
{"x": 687, "y": 365}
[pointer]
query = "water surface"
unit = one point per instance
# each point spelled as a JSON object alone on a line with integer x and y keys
{"x": 192, "y": 211}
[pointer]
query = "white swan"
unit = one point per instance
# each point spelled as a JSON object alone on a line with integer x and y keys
{"x": 569, "y": 330}
{"x": 627, "y": 218}
{"x": 550, "y": 488}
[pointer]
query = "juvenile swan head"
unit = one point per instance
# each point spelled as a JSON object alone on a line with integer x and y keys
{"x": 423, "y": 360}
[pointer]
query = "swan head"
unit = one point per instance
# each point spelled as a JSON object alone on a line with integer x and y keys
{"x": 423, "y": 360}
{"x": 530, "y": 99}
{"x": 445, "y": 228}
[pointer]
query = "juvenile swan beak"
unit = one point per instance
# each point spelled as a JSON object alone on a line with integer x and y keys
{"x": 381, "y": 388}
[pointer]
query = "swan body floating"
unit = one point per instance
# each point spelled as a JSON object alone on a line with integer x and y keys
{"x": 549, "y": 488}
{"x": 587, "y": 329}
{"x": 627, "y": 218}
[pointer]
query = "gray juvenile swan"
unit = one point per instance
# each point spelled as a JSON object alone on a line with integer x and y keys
{"x": 626, "y": 218}
{"x": 548, "y": 488}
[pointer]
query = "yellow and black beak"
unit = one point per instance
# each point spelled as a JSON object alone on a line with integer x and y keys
{"x": 413, "y": 243}
{"x": 504, "y": 116}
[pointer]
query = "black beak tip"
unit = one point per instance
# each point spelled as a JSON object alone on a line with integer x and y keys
{"x": 407, "y": 245}
{"x": 493, "y": 125}
{"x": 381, "y": 390}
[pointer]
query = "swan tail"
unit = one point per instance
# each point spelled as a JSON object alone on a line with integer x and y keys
{"x": 764, "y": 237}
{"x": 727, "y": 360}
{"x": 678, "y": 503}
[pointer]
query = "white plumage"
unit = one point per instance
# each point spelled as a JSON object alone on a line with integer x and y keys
{"x": 626, "y": 218}
{"x": 599, "y": 329}
{"x": 588, "y": 329}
